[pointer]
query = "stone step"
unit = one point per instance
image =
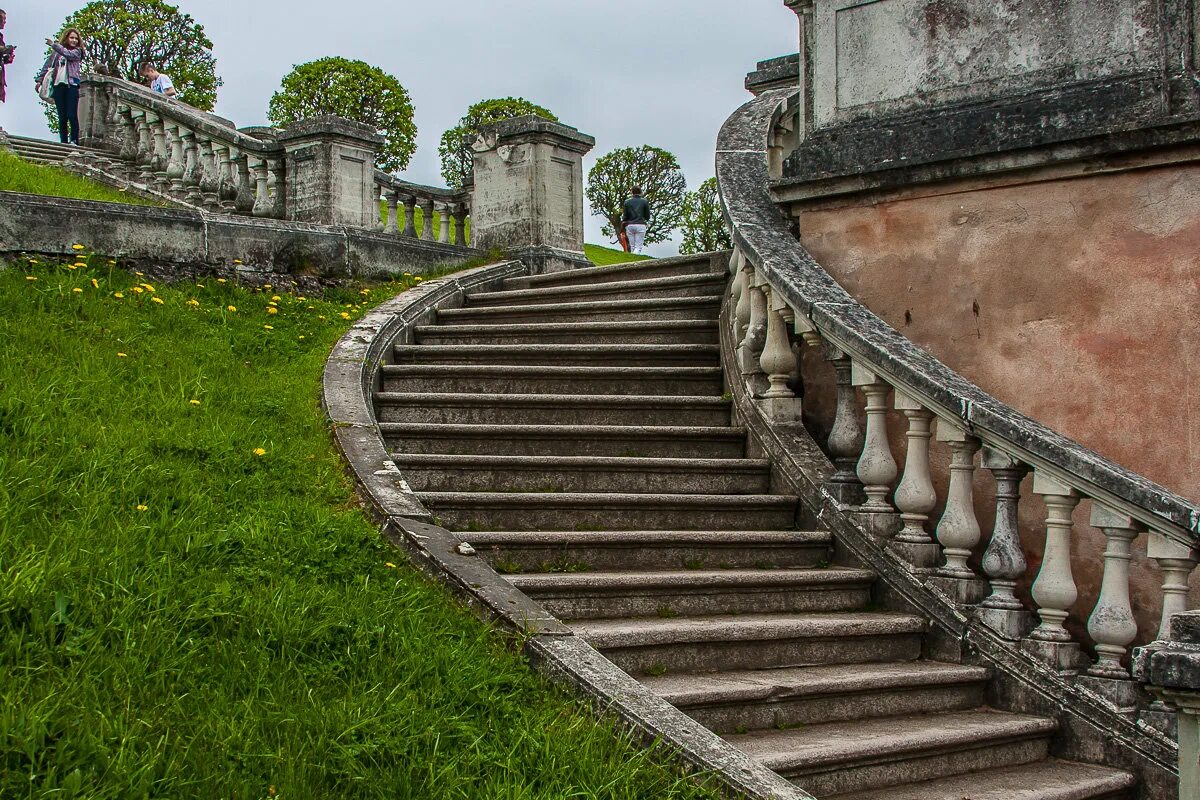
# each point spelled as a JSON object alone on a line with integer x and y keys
{"x": 541, "y": 551}
{"x": 636, "y": 289}
{"x": 545, "y": 379}
{"x": 703, "y": 263}
{"x": 641, "y": 441}
{"x": 651, "y": 332}
{"x": 1049, "y": 779}
{"x": 840, "y": 757}
{"x": 593, "y": 311}
{"x": 513, "y": 511}
{"x": 754, "y": 641}
{"x": 755, "y": 699}
{"x": 595, "y": 595}
{"x": 550, "y": 409}
{"x": 595, "y": 355}
{"x": 517, "y": 473}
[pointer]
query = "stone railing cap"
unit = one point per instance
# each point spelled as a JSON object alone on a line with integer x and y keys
{"x": 531, "y": 124}
{"x": 774, "y": 71}
{"x": 175, "y": 105}
{"x": 331, "y": 125}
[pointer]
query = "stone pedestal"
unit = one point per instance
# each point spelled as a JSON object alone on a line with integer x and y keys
{"x": 331, "y": 172}
{"x": 781, "y": 410}
{"x": 528, "y": 197}
{"x": 1063, "y": 657}
{"x": 1008, "y": 623}
{"x": 880, "y": 525}
{"x": 963, "y": 591}
{"x": 920, "y": 557}
{"x": 1125, "y": 694}
{"x": 1170, "y": 668}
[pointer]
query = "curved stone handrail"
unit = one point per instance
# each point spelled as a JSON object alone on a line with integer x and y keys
{"x": 403, "y": 197}
{"x": 351, "y": 376}
{"x": 763, "y": 235}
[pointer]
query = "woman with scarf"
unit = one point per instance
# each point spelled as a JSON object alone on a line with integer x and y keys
{"x": 67, "y": 52}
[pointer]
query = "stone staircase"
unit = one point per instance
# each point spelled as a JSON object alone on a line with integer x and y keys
{"x": 41, "y": 151}
{"x": 572, "y": 428}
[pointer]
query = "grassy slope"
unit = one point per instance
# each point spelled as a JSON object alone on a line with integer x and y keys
{"x": 18, "y": 175}
{"x": 602, "y": 256}
{"x": 183, "y": 616}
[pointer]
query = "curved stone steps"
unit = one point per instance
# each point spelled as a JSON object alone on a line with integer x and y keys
{"x": 665, "y": 593}
{"x": 789, "y": 696}
{"x": 583, "y": 474}
{"x": 707, "y": 263}
{"x": 594, "y": 310}
{"x": 547, "y": 379}
{"x": 528, "y": 551}
{"x": 550, "y": 409}
{"x": 641, "y": 288}
{"x": 645, "y": 355}
{"x": 651, "y": 332}
{"x": 1049, "y": 779}
{"x": 651, "y": 441}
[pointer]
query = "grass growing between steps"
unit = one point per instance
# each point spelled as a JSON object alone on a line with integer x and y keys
{"x": 603, "y": 256}
{"x": 19, "y": 175}
{"x": 191, "y": 602}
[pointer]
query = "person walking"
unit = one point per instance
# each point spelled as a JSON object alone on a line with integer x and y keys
{"x": 65, "y": 64}
{"x": 7, "y": 53}
{"x": 635, "y": 218}
{"x": 159, "y": 83}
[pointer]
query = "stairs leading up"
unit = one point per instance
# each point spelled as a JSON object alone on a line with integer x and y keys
{"x": 41, "y": 151}
{"x": 572, "y": 428}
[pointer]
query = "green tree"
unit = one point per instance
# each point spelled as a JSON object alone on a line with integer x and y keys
{"x": 354, "y": 90}
{"x": 704, "y": 228}
{"x": 121, "y": 34}
{"x": 455, "y": 147}
{"x": 655, "y": 170}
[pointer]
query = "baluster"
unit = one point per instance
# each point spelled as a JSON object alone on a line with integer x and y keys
{"x": 129, "y": 141}
{"x": 209, "y": 180}
{"x": 875, "y": 468}
{"x": 1054, "y": 589}
{"x": 427, "y": 219}
{"x": 1111, "y": 624}
{"x": 226, "y": 189}
{"x": 958, "y": 529}
{"x": 1004, "y": 560}
{"x": 175, "y": 163}
{"x": 736, "y": 260}
{"x": 410, "y": 215}
{"x": 741, "y": 314}
{"x": 392, "y": 223}
{"x": 756, "y": 333}
{"x": 191, "y": 168}
{"x": 846, "y": 437}
{"x": 1176, "y": 562}
{"x": 460, "y": 225}
{"x": 278, "y": 187}
{"x": 779, "y": 403}
{"x": 247, "y": 192}
{"x": 444, "y": 231}
{"x": 262, "y": 195}
{"x": 915, "y": 496}
{"x": 145, "y": 149}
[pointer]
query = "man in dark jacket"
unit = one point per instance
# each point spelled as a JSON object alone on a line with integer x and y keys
{"x": 635, "y": 217}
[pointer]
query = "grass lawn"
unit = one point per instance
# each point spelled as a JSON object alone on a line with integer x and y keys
{"x": 602, "y": 256}
{"x": 192, "y": 604}
{"x": 19, "y": 175}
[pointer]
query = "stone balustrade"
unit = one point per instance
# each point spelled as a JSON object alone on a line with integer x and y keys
{"x": 444, "y": 213}
{"x": 780, "y": 297}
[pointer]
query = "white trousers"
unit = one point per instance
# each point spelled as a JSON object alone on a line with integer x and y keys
{"x": 636, "y": 233}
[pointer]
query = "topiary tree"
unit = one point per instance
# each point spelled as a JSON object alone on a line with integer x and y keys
{"x": 704, "y": 228}
{"x": 655, "y": 170}
{"x": 120, "y": 34}
{"x": 354, "y": 90}
{"x": 455, "y": 147}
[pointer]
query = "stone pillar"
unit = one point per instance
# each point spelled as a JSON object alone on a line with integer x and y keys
{"x": 1171, "y": 669}
{"x": 528, "y": 196}
{"x": 1054, "y": 589}
{"x": 330, "y": 172}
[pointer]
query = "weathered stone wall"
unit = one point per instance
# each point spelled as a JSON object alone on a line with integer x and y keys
{"x": 1073, "y": 300}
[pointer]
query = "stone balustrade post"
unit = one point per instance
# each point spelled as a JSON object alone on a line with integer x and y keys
{"x": 1176, "y": 562}
{"x": 876, "y": 467}
{"x": 736, "y": 284}
{"x": 528, "y": 191}
{"x": 444, "y": 230}
{"x": 460, "y": 225}
{"x": 958, "y": 530}
{"x": 915, "y": 496}
{"x": 129, "y": 141}
{"x": 1111, "y": 624}
{"x": 175, "y": 164}
{"x": 225, "y": 190}
{"x": 1054, "y": 588}
{"x": 158, "y": 143}
{"x": 427, "y": 220}
{"x": 330, "y": 172}
{"x": 247, "y": 194}
{"x": 741, "y": 312}
{"x": 262, "y": 195}
{"x": 191, "y": 168}
{"x": 756, "y": 334}
{"x": 1170, "y": 668}
{"x": 392, "y": 223}
{"x": 209, "y": 180}
{"x": 277, "y": 186}
{"x": 846, "y": 436}
{"x": 778, "y": 362}
{"x": 1004, "y": 560}
{"x": 145, "y": 148}
{"x": 410, "y": 215}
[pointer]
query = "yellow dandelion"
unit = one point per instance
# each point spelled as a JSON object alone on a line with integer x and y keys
{"x": 141, "y": 507}
{"x": 158, "y": 300}
{"x": 112, "y": 262}
{"x": 200, "y": 285}
{"x": 389, "y": 564}
{"x": 320, "y": 316}
{"x": 31, "y": 277}
{"x": 237, "y": 261}
{"x": 138, "y": 290}
{"x": 345, "y": 315}
{"x": 272, "y": 310}
{"x": 418, "y": 279}
{"x": 302, "y": 336}
{"x": 122, "y": 355}
{"x": 139, "y": 274}
{"x": 220, "y": 280}
{"x": 194, "y": 402}
{"x": 76, "y": 247}
{"x": 274, "y": 298}
{"x": 258, "y": 451}
{"x": 77, "y": 290}
{"x": 268, "y": 286}
{"x": 95, "y": 283}
{"x": 193, "y": 302}
{"x": 365, "y": 292}
{"x": 81, "y": 263}
{"x": 268, "y": 327}
{"x": 408, "y": 275}
{"x": 71, "y": 267}
{"x": 300, "y": 299}
{"x": 147, "y": 287}
{"x": 118, "y": 295}
{"x": 312, "y": 308}
{"x": 231, "y": 308}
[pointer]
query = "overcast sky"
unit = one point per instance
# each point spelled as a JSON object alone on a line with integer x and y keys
{"x": 660, "y": 72}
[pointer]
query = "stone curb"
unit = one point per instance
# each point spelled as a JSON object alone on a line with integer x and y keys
{"x": 351, "y": 373}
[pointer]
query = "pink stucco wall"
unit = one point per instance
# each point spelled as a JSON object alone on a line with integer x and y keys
{"x": 1075, "y": 301}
